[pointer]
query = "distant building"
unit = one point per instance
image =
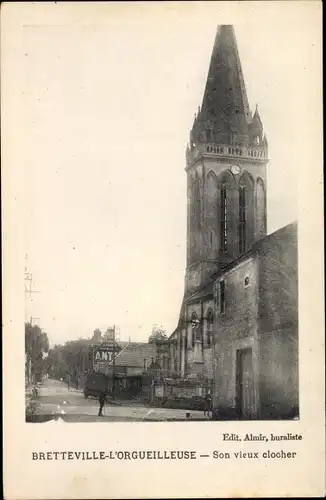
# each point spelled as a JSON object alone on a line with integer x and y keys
{"x": 131, "y": 363}
{"x": 238, "y": 322}
{"x": 97, "y": 336}
{"x": 135, "y": 358}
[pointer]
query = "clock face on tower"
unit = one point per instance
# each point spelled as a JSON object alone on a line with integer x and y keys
{"x": 235, "y": 169}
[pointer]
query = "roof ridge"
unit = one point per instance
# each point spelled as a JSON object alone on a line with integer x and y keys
{"x": 115, "y": 357}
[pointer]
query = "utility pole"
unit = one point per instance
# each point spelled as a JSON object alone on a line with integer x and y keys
{"x": 113, "y": 365}
{"x": 28, "y": 278}
{"x": 28, "y": 289}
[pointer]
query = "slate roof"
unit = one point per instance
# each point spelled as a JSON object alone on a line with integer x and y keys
{"x": 133, "y": 354}
{"x": 123, "y": 343}
{"x": 225, "y": 103}
{"x": 204, "y": 292}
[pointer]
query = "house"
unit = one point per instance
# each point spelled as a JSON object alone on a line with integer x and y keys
{"x": 132, "y": 361}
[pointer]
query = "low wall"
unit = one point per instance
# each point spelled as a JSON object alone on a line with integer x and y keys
{"x": 195, "y": 403}
{"x": 182, "y": 394}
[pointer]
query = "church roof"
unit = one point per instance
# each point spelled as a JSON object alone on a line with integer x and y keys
{"x": 206, "y": 290}
{"x": 257, "y": 247}
{"x": 203, "y": 293}
{"x": 225, "y": 107}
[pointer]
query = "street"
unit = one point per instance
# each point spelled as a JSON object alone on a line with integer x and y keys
{"x": 55, "y": 399}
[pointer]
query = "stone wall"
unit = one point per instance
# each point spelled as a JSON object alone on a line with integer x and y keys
{"x": 278, "y": 279}
{"x": 278, "y": 324}
{"x": 180, "y": 393}
{"x": 208, "y": 362}
{"x": 279, "y": 377}
{"x": 235, "y": 329}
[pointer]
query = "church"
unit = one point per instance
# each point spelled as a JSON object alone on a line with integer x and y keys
{"x": 238, "y": 323}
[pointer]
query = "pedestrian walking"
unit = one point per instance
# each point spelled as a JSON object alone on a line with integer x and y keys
{"x": 101, "y": 400}
{"x": 208, "y": 404}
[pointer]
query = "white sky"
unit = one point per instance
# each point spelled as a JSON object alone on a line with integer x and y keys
{"x": 106, "y": 107}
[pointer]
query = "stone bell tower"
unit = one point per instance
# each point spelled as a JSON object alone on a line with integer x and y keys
{"x": 226, "y": 169}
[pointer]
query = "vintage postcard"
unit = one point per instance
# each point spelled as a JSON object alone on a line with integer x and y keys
{"x": 162, "y": 250}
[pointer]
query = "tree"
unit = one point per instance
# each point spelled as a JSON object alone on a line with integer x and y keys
{"x": 36, "y": 346}
{"x": 158, "y": 334}
{"x": 70, "y": 360}
{"x": 55, "y": 363}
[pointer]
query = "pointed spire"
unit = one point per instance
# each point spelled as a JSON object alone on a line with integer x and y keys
{"x": 224, "y": 117}
{"x": 256, "y": 127}
{"x": 256, "y": 116}
{"x": 225, "y": 106}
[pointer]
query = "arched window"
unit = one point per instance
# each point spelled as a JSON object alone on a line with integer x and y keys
{"x": 191, "y": 211}
{"x": 209, "y": 331}
{"x": 211, "y": 212}
{"x": 192, "y": 217}
{"x": 242, "y": 218}
{"x": 246, "y": 216}
{"x": 194, "y": 222}
{"x": 227, "y": 219}
{"x": 197, "y": 204}
{"x": 195, "y": 328}
{"x": 223, "y": 220}
{"x": 261, "y": 209}
{"x": 182, "y": 347}
{"x": 209, "y": 134}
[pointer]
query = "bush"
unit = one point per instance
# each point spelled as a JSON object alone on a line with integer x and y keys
{"x": 32, "y": 410}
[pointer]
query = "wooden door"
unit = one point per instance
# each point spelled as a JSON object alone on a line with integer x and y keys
{"x": 245, "y": 384}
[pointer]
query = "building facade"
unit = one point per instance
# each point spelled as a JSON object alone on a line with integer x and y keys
{"x": 233, "y": 322}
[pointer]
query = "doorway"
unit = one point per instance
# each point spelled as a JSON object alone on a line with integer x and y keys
{"x": 245, "y": 384}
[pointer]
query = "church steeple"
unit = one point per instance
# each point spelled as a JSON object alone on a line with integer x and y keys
{"x": 225, "y": 119}
{"x": 225, "y": 114}
{"x": 226, "y": 168}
